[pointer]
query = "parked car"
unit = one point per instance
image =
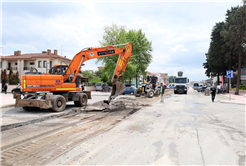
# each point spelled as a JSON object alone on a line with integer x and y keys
{"x": 233, "y": 85}
{"x": 219, "y": 89}
{"x": 129, "y": 90}
{"x": 171, "y": 86}
{"x": 16, "y": 90}
{"x": 201, "y": 88}
{"x": 195, "y": 86}
{"x": 102, "y": 87}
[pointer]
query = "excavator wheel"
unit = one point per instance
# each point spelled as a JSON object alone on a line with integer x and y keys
{"x": 82, "y": 100}
{"x": 58, "y": 103}
{"x": 150, "y": 93}
{"x": 137, "y": 92}
{"x": 31, "y": 108}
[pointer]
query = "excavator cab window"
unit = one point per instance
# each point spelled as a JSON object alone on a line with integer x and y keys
{"x": 60, "y": 70}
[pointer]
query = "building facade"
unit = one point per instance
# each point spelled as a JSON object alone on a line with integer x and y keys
{"x": 27, "y": 62}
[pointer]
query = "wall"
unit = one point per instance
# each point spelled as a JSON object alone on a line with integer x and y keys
{"x": 10, "y": 87}
{"x": 90, "y": 88}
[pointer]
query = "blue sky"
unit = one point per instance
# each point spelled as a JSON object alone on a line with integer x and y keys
{"x": 179, "y": 31}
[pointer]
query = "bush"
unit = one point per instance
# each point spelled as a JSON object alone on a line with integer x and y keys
{"x": 104, "y": 78}
{"x": 242, "y": 87}
{"x": 94, "y": 80}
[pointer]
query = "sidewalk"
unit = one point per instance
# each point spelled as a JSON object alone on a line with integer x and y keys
{"x": 236, "y": 99}
{"x": 6, "y": 100}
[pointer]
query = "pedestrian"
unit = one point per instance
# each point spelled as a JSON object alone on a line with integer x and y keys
{"x": 213, "y": 92}
{"x": 5, "y": 88}
{"x": 82, "y": 87}
{"x": 162, "y": 92}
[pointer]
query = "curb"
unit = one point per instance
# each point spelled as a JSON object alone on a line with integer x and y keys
{"x": 232, "y": 103}
{"x": 6, "y": 106}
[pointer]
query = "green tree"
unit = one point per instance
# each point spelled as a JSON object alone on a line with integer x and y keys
{"x": 231, "y": 56}
{"x": 141, "y": 51}
{"x": 104, "y": 78}
{"x": 4, "y": 76}
{"x": 172, "y": 78}
{"x": 89, "y": 73}
{"x": 10, "y": 73}
{"x": 114, "y": 35}
{"x": 235, "y": 33}
{"x": 215, "y": 64}
{"x": 99, "y": 73}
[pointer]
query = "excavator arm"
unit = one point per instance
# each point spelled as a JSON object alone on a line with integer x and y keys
{"x": 92, "y": 53}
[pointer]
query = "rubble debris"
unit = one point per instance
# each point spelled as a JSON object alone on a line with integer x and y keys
{"x": 117, "y": 104}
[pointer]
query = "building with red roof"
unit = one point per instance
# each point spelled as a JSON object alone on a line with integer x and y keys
{"x": 26, "y": 62}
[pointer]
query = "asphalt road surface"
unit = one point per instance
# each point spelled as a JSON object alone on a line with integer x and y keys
{"x": 184, "y": 130}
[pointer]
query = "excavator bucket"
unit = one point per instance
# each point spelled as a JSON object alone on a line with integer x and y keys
{"x": 117, "y": 89}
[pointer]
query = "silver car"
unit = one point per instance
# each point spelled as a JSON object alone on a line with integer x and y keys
{"x": 102, "y": 87}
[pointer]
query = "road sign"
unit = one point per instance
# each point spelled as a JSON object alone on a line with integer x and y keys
{"x": 229, "y": 73}
{"x": 168, "y": 79}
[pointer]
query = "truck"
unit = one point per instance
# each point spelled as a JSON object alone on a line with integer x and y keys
{"x": 52, "y": 90}
{"x": 181, "y": 83}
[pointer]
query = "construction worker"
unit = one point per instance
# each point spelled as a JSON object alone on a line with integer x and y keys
{"x": 162, "y": 92}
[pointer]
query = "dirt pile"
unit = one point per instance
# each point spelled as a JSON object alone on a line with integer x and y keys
{"x": 118, "y": 104}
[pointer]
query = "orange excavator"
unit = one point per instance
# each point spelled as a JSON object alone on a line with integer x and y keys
{"x": 52, "y": 90}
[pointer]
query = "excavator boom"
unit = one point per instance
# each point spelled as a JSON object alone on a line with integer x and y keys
{"x": 92, "y": 53}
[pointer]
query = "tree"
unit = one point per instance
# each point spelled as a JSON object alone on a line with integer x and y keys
{"x": 92, "y": 76}
{"x": 4, "y": 76}
{"x": 104, "y": 78}
{"x": 10, "y": 73}
{"x": 215, "y": 64}
{"x": 172, "y": 78}
{"x": 141, "y": 51}
{"x": 99, "y": 73}
{"x": 236, "y": 35}
{"x": 231, "y": 56}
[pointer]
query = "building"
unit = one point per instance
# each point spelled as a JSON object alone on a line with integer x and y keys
{"x": 27, "y": 62}
{"x": 100, "y": 67}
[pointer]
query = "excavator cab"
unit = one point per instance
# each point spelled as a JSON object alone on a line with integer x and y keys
{"x": 59, "y": 70}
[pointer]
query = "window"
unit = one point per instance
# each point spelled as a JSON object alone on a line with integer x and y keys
{"x": 0, "y": 64}
{"x": 39, "y": 64}
{"x": 44, "y": 64}
{"x": 16, "y": 63}
{"x": 32, "y": 63}
{"x": 98, "y": 84}
{"x": 50, "y": 64}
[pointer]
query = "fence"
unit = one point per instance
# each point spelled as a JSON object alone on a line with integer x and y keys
{"x": 28, "y": 68}
{"x": 13, "y": 68}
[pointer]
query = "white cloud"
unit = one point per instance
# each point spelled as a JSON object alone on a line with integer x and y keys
{"x": 178, "y": 48}
{"x": 203, "y": 47}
